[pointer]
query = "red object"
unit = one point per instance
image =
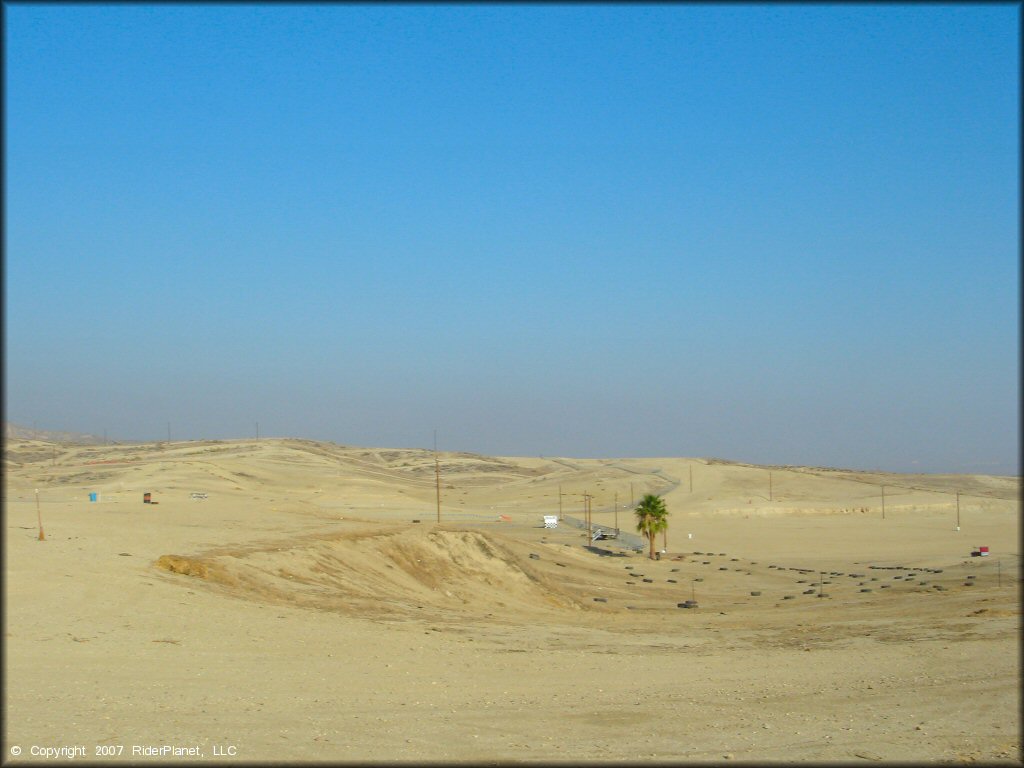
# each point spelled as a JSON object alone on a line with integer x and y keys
{"x": 983, "y": 549}
{"x": 146, "y": 498}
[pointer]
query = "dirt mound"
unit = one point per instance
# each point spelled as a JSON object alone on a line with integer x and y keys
{"x": 208, "y": 570}
{"x": 389, "y": 573}
{"x": 183, "y": 565}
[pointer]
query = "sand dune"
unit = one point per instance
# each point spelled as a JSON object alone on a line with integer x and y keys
{"x": 309, "y": 606}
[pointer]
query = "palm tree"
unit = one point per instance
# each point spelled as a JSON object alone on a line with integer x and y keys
{"x": 651, "y": 518}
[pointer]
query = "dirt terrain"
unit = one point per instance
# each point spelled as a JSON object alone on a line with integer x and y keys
{"x": 287, "y": 600}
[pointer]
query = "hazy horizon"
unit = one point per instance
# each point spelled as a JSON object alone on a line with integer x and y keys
{"x": 775, "y": 234}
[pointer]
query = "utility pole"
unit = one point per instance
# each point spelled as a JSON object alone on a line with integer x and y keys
{"x": 586, "y": 512}
{"x": 559, "y": 502}
{"x": 883, "y": 502}
{"x": 437, "y": 478}
{"x": 616, "y": 513}
{"x": 257, "y": 430}
{"x": 168, "y": 431}
{"x": 958, "y": 510}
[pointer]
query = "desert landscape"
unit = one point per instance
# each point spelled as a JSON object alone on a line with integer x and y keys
{"x": 298, "y": 601}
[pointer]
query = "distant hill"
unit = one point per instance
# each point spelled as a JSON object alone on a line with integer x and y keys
{"x": 49, "y": 436}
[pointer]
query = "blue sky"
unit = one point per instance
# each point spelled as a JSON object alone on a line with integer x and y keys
{"x": 778, "y": 234}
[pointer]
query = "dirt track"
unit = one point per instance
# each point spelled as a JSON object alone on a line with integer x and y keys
{"x": 300, "y": 614}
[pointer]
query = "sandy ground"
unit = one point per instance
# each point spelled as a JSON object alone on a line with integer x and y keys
{"x": 312, "y": 608}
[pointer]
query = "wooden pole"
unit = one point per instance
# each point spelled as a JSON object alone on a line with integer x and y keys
{"x": 437, "y": 482}
{"x": 39, "y": 514}
{"x": 616, "y": 513}
{"x": 559, "y": 502}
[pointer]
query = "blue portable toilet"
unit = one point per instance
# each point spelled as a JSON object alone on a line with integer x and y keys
{"x": 92, "y": 497}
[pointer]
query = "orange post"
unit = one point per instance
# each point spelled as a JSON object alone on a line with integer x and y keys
{"x": 42, "y": 536}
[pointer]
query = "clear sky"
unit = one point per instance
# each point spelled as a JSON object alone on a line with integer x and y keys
{"x": 771, "y": 233}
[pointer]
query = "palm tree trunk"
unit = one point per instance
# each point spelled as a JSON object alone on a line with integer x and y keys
{"x": 650, "y": 536}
